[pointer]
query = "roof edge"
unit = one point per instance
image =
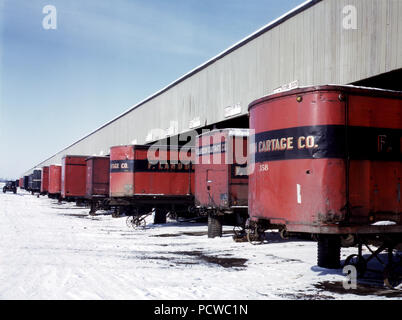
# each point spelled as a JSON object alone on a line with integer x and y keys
{"x": 300, "y": 8}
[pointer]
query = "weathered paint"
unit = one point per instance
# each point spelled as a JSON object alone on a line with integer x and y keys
{"x": 348, "y": 171}
{"x": 54, "y": 179}
{"x": 73, "y": 176}
{"x": 132, "y": 172}
{"x": 97, "y": 176}
{"x": 221, "y": 180}
{"x": 44, "y": 187}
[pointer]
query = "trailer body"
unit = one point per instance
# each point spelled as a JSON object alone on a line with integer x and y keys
{"x": 328, "y": 160}
{"x": 26, "y": 182}
{"x": 73, "y": 177}
{"x": 143, "y": 178}
{"x": 134, "y": 172}
{"x": 30, "y": 182}
{"x": 36, "y": 180}
{"x": 54, "y": 180}
{"x": 97, "y": 177}
{"x": 44, "y": 187}
{"x": 221, "y": 180}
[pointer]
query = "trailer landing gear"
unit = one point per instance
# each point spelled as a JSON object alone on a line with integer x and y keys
{"x": 93, "y": 208}
{"x": 393, "y": 275}
{"x": 98, "y": 204}
{"x": 392, "y": 272}
{"x": 329, "y": 252}
{"x": 136, "y": 221}
{"x": 255, "y": 232}
{"x": 136, "y": 218}
{"x": 160, "y": 216}
{"x": 214, "y": 225}
{"x": 240, "y": 234}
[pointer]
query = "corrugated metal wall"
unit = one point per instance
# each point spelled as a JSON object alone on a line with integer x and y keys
{"x": 311, "y": 47}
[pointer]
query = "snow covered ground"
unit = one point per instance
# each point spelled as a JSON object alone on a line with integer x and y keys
{"x": 52, "y": 251}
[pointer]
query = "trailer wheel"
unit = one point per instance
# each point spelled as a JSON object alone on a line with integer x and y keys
{"x": 329, "y": 252}
{"x": 136, "y": 222}
{"x": 284, "y": 234}
{"x": 358, "y": 262}
{"x": 393, "y": 275}
{"x": 160, "y": 216}
{"x": 255, "y": 235}
{"x": 214, "y": 226}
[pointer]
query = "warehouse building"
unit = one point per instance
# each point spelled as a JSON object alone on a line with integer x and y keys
{"x": 319, "y": 42}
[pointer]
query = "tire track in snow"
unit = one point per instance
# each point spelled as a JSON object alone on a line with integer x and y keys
{"x": 49, "y": 251}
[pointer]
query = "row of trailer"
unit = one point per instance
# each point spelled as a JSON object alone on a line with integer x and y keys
{"x": 318, "y": 161}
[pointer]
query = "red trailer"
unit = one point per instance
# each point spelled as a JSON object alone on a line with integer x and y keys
{"x": 97, "y": 182}
{"x": 221, "y": 180}
{"x": 44, "y": 187}
{"x": 73, "y": 178}
{"x": 21, "y": 183}
{"x": 328, "y": 163}
{"x": 143, "y": 178}
{"x": 54, "y": 188}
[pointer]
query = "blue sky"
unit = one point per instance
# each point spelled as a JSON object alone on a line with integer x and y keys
{"x": 105, "y": 56}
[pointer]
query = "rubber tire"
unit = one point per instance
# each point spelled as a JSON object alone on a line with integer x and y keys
{"x": 360, "y": 264}
{"x": 329, "y": 252}
{"x": 392, "y": 276}
{"x": 160, "y": 216}
{"x": 214, "y": 226}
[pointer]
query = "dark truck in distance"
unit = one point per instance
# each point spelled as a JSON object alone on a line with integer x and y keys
{"x": 10, "y": 186}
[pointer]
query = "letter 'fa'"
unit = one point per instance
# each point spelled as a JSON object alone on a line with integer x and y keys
{"x": 50, "y": 20}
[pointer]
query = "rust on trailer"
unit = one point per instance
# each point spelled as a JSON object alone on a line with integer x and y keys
{"x": 97, "y": 183}
{"x": 143, "y": 178}
{"x": 97, "y": 176}
{"x": 54, "y": 179}
{"x": 221, "y": 180}
{"x": 73, "y": 176}
{"x": 327, "y": 160}
{"x": 44, "y": 187}
{"x": 136, "y": 172}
